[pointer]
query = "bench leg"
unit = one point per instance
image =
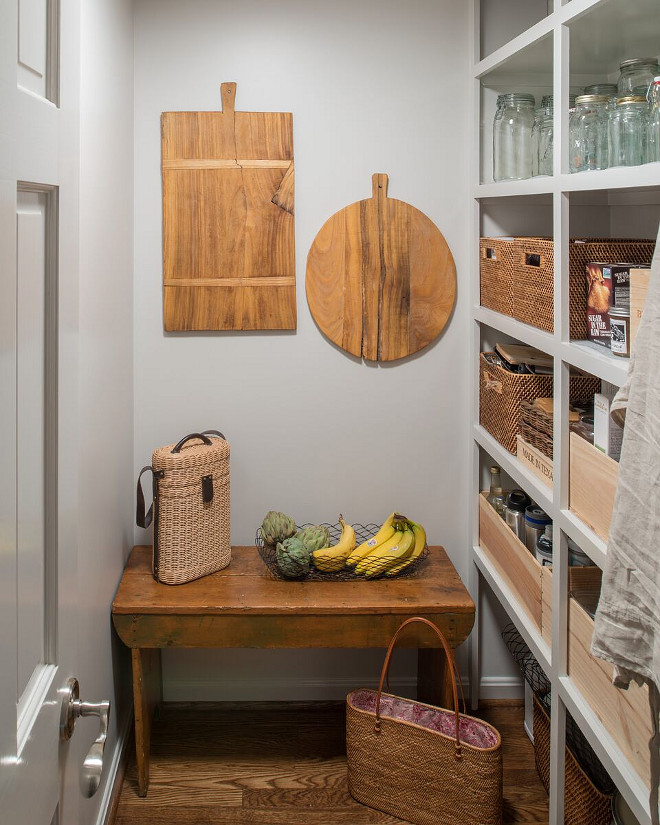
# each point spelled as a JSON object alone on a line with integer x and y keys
{"x": 147, "y": 695}
{"x": 434, "y": 678}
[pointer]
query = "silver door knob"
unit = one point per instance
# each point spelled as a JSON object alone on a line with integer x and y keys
{"x": 72, "y": 708}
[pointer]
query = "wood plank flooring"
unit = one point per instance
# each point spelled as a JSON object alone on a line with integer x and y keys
{"x": 285, "y": 764}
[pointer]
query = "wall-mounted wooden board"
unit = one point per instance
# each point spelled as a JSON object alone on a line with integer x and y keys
{"x": 381, "y": 280}
{"x": 228, "y": 219}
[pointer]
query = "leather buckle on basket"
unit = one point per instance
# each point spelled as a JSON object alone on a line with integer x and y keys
{"x": 458, "y": 751}
{"x": 207, "y": 489}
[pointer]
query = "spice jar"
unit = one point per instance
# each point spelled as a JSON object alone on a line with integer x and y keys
{"x": 620, "y": 331}
{"x": 587, "y": 130}
{"x": 639, "y": 71}
{"x": 653, "y": 126}
{"x": 512, "y": 138}
{"x": 626, "y": 131}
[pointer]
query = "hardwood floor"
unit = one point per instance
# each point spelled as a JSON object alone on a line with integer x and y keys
{"x": 285, "y": 764}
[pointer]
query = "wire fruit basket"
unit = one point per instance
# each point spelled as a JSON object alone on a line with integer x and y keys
{"x": 363, "y": 532}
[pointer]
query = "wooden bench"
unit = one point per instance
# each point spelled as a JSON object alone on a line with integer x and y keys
{"x": 244, "y": 605}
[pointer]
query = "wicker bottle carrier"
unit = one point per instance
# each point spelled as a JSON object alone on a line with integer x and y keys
{"x": 190, "y": 509}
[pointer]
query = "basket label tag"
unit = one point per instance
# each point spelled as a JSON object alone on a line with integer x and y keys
{"x": 207, "y": 489}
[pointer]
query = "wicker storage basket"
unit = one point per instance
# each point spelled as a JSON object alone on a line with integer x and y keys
{"x": 501, "y": 394}
{"x": 584, "y": 804}
{"x": 533, "y": 276}
{"x": 190, "y": 508}
{"x": 496, "y": 257}
{"x": 536, "y": 427}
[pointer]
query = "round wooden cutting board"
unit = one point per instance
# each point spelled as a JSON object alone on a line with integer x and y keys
{"x": 381, "y": 279}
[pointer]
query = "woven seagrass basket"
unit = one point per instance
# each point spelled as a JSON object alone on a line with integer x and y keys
{"x": 496, "y": 256}
{"x": 501, "y": 394}
{"x": 533, "y": 276}
{"x": 190, "y": 508}
{"x": 584, "y": 804}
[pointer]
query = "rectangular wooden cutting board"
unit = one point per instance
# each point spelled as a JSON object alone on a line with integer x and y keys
{"x": 228, "y": 219}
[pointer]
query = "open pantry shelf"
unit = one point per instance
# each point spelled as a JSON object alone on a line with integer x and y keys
{"x": 564, "y": 47}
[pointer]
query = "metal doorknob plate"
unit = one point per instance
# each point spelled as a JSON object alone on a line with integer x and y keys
{"x": 72, "y": 708}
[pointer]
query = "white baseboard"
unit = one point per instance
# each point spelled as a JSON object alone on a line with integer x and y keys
{"x": 310, "y": 690}
{"x": 111, "y": 776}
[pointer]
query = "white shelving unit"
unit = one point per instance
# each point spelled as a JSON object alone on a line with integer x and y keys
{"x": 555, "y": 48}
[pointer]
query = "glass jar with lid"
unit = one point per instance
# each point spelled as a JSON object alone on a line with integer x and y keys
{"x": 587, "y": 129}
{"x": 653, "y": 127}
{"x": 512, "y": 137}
{"x": 639, "y": 71}
{"x": 545, "y": 142}
{"x": 626, "y": 131}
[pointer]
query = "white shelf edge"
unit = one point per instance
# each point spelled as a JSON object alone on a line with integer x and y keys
{"x": 535, "y": 488}
{"x": 529, "y": 335}
{"x": 621, "y": 177}
{"x": 540, "y": 185}
{"x": 529, "y": 37}
{"x": 595, "y": 360}
{"x": 514, "y": 609}
{"x": 584, "y": 537}
{"x": 619, "y": 768}
{"x": 576, "y": 8}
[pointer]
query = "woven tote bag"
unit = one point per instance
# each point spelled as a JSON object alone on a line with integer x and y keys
{"x": 190, "y": 509}
{"x": 421, "y": 763}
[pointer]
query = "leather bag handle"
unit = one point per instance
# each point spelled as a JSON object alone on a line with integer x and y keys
{"x": 190, "y": 437}
{"x": 450, "y": 661}
{"x": 216, "y": 433}
{"x": 143, "y": 519}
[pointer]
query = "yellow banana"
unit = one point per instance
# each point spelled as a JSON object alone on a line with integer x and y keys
{"x": 384, "y": 547}
{"x": 331, "y": 559}
{"x": 385, "y": 532}
{"x": 420, "y": 543}
{"x": 380, "y": 562}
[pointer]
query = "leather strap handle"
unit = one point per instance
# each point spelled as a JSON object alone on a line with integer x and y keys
{"x": 190, "y": 437}
{"x": 450, "y": 661}
{"x": 143, "y": 519}
{"x": 214, "y": 432}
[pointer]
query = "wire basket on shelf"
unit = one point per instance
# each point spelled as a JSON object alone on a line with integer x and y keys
{"x": 363, "y": 532}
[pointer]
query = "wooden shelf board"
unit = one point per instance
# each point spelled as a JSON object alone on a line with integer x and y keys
{"x": 592, "y": 358}
{"x": 530, "y": 53}
{"x": 584, "y": 537}
{"x": 531, "y": 336}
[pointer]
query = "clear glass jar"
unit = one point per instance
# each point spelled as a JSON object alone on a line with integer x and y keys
{"x": 607, "y": 89}
{"x": 587, "y": 129}
{"x": 626, "y": 131}
{"x": 545, "y": 144}
{"x": 639, "y": 71}
{"x": 653, "y": 127}
{"x": 512, "y": 138}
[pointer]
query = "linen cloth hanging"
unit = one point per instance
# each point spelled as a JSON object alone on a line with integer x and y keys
{"x": 627, "y": 622}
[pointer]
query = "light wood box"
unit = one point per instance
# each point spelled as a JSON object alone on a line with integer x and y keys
{"x": 623, "y": 713}
{"x": 584, "y": 581}
{"x": 592, "y": 484}
{"x": 639, "y": 283}
{"x": 515, "y": 564}
{"x": 535, "y": 461}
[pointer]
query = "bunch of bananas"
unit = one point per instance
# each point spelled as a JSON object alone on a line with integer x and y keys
{"x": 397, "y": 544}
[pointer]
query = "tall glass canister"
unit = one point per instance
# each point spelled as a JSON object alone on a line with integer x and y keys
{"x": 626, "y": 131}
{"x": 653, "y": 129}
{"x": 512, "y": 138}
{"x": 587, "y": 129}
{"x": 545, "y": 145}
{"x": 639, "y": 71}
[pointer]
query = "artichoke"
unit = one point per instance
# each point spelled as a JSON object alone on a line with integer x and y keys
{"x": 277, "y": 527}
{"x": 314, "y": 537}
{"x": 292, "y": 558}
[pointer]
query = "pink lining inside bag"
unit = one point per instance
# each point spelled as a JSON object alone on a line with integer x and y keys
{"x": 471, "y": 731}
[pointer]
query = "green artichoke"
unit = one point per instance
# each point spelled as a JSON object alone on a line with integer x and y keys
{"x": 277, "y": 527}
{"x": 314, "y": 537}
{"x": 292, "y": 558}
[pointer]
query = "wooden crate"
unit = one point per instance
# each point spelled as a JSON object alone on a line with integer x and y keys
{"x": 639, "y": 284}
{"x": 582, "y": 581}
{"x": 592, "y": 484}
{"x": 535, "y": 461}
{"x": 515, "y": 564}
{"x": 623, "y": 713}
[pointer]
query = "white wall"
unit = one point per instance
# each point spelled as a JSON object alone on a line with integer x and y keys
{"x": 105, "y": 362}
{"x": 374, "y": 87}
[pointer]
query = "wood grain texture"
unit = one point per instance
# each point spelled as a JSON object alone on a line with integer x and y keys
{"x": 517, "y": 566}
{"x": 381, "y": 280}
{"x": 228, "y": 219}
{"x": 623, "y": 713}
{"x": 592, "y": 484}
{"x": 285, "y": 764}
{"x": 147, "y": 695}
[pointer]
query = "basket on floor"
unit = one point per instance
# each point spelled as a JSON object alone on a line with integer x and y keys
{"x": 584, "y": 804}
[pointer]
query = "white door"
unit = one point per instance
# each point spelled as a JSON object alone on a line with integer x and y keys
{"x": 39, "y": 135}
